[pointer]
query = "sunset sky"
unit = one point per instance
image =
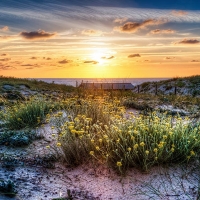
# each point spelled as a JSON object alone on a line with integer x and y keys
{"x": 99, "y": 38}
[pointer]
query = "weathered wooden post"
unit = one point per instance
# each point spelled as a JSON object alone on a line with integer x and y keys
{"x": 138, "y": 87}
{"x": 156, "y": 89}
{"x": 175, "y": 90}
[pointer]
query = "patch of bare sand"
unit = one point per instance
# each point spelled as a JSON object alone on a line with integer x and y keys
{"x": 98, "y": 182}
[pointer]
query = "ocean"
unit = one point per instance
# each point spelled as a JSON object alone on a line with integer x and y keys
{"x": 77, "y": 81}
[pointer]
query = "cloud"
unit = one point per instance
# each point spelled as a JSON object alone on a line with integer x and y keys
{"x": 5, "y": 28}
{"x": 134, "y": 55}
{"x": 4, "y": 54}
{"x": 131, "y": 27}
{"x": 195, "y": 61}
{"x": 64, "y": 61}
{"x": 48, "y": 58}
{"x": 120, "y": 20}
{"x": 33, "y": 58}
{"x": 5, "y": 59}
{"x": 6, "y": 37}
{"x": 6, "y": 67}
{"x": 169, "y": 58}
{"x": 179, "y": 12}
{"x": 91, "y": 32}
{"x": 158, "y": 31}
{"x": 37, "y": 35}
{"x": 188, "y": 41}
{"x": 110, "y": 57}
{"x": 91, "y": 61}
{"x": 27, "y": 65}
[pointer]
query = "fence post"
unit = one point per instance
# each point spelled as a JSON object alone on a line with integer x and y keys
{"x": 175, "y": 90}
{"x": 138, "y": 87}
{"x": 156, "y": 92}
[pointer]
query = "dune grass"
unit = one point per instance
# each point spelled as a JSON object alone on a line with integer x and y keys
{"x": 34, "y": 84}
{"x": 139, "y": 141}
{"x": 27, "y": 114}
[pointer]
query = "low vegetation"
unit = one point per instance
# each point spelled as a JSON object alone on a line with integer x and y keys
{"x": 139, "y": 141}
{"x": 33, "y": 84}
{"x": 7, "y": 188}
{"x": 27, "y": 114}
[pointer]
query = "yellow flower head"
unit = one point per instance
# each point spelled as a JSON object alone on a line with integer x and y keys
{"x": 135, "y": 146}
{"x": 172, "y": 149}
{"x": 164, "y": 137}
{"x": 142, "y": 144}
{"x": 129, "y": 149}
{"x": 192, "y": 153}
{"x": 155, "y": 150}
{"x": 92, "y": 140}
{"x": 119, "y": 164}
{"x": 91, "y": 153}
{"x": 58, "y": 144}
{"x": 48, "y": 147}
{"x": 100, "y": 140}
{"x": 132, "y": 138}
{"x": 97, "y": 148}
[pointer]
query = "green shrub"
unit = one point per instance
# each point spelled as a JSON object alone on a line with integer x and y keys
{"x": 141, "y": 142}
{"x": 17, "y": 138}
{"x": 27, "y": 114}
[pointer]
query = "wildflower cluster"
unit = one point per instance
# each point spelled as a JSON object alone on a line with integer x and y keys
{"x": 98, "y": 129}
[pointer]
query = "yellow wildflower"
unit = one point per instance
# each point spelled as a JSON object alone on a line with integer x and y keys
{"x": 97, "y": 148}
{"x": 142, "y": 144}
{"x": 192, "y": 153}
{"x": 91, "y": 153}
{"x": 155, "y": 150}
{"x": 129, "y": 149}
{"x": 58, "y": 144}
{"x": 119, "y": 164}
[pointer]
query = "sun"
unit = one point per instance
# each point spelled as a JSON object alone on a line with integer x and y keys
{"x": 98, "y": 56}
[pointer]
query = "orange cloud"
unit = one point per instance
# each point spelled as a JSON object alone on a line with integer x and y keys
{"x": 4, "y": 54}
{"x": 134, "y": 55}
{"x": 110, "y": 57}
{"x": 64, "y": 61}
{"x": 37, "y": 35}
{"x": 5, "y": 28}
{"x": 120, "y": 20}
{"x": 90, "y": 62}
{"x": 188, "y": 41}
{"x": 158, "y": 31}
{"x": 131, "y": 27}
{"x": 6, "y": 37}
{"x": 91, "y": 32}
{"x": 179, "y": 12}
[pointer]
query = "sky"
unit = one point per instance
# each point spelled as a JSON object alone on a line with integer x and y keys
{"x": 99, "y": 38}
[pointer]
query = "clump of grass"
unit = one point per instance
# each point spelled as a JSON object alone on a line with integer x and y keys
{"x": 7, "y": 188}
{"x": 17, "y": 138}
{"x": 27, "y": 114}
{"x": 34, "y": 84}
{"x": 141, "y": 142}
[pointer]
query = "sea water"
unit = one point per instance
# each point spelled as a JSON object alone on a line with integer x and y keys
{"x": 77, "y": 81}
